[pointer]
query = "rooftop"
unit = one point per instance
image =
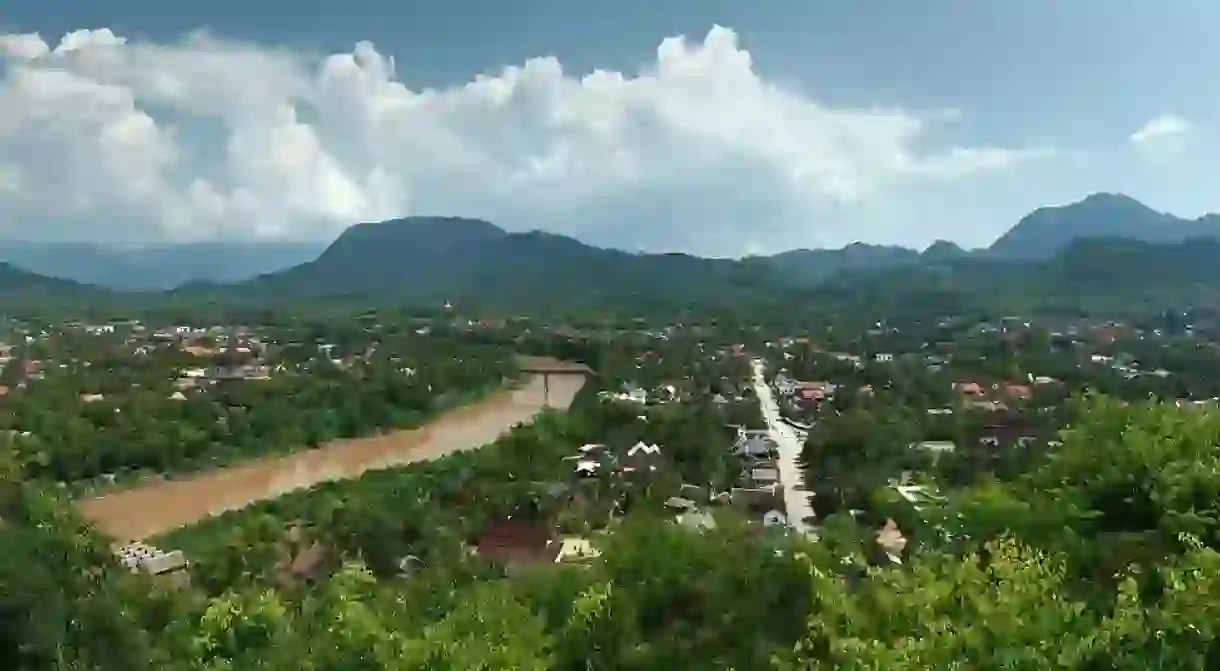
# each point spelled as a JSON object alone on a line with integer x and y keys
{"x": 542, "y": 364}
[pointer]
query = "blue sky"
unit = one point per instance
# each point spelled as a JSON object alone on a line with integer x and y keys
{"x": 1060, "y": 87}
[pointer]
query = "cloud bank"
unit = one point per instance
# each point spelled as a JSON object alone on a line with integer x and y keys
{"x": 102, "y": 137}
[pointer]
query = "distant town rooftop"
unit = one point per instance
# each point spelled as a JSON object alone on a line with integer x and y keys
{"x": 542, "y": 364}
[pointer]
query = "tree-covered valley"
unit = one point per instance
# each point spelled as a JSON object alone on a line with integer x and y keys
{"x": 1070, "y": 524}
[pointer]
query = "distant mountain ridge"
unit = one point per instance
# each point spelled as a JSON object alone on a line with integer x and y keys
{"x": 434, "y": 259}
{"x": 438, "y": 259}
{"x": 158, "y": 267}
{"x": 1100, "y": 276}
{"x": 12, "y": 277}
{"x": 943, "y": 250}
{"x": 1040, "y": 235}
{"x": 1048, "y": 230}
{"x": 809, "y": 266}
{"x": 449, "y": 240}
{"x": 806, "y": 266}
{"x": 21, "y": 287}
{"x": 1106, "y": 249}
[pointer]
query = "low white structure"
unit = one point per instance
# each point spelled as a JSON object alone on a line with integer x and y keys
{"x": 140, "y": 557}
{"x": 643, "y": 448}
{"x": 774, "y": 518}
{"x": 576, "y": 549}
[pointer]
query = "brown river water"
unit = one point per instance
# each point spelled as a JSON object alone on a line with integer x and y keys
{"x": 157, "y": 507}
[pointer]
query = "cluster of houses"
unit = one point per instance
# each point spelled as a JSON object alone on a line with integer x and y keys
{"x": 200, "y": 377}
{"x": 658, "y": 395}
{"x": 237, "y": 352}
{"x": 1126, "y": 366}
{"x": 758, "y": 491}
{"x": 212, "y": 355}
{"x": 994, "y": 397}
{"x": 523, "y": 540}
{"x": 596, "y": 459}
{"x": 527, "y": 538}
{"x": 1091, "y": 340}
{"x": 805, "y": 395}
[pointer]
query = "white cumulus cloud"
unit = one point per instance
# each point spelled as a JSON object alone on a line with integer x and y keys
{"x": 102, "y": 137}
{"x": 1162, "y": 134}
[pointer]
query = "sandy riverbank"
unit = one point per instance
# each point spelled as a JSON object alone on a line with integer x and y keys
{"x": 155, "y": 508}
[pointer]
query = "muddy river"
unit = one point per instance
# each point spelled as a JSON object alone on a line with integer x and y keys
{"x": 156, "y": 507}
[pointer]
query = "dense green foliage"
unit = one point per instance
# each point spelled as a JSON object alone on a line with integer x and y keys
{"x": 117, "y": 405}
{"x": 1102, "y": 556}
{"x": 1081, "y": 564}
{"x": 653, "y": 599}
{"x": 1086, "y": 536}
{"x": 654, "y": 582}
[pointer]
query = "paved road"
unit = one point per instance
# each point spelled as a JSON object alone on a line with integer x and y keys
{"x": 796, "y": 500}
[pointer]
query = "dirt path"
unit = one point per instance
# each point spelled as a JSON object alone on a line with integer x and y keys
{"x": 154, "y": 508}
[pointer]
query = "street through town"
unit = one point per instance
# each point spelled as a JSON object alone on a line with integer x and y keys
{"x": 796, "y": 499}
